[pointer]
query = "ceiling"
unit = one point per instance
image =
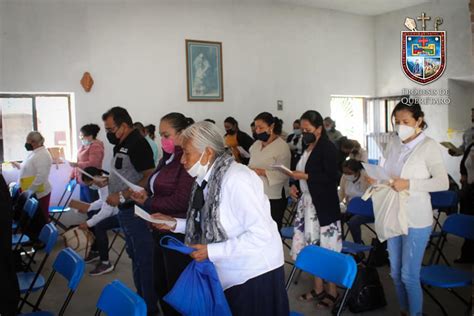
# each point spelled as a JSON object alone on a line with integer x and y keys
{"x": 361, "y": 7}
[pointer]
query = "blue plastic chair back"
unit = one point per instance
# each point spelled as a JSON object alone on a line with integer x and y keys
{"x": 49, "y": 236}
{"x": 71, "y": 266}
{"x": 30, "y": 207}
{"x": 373, "y": 161}
{"x": 329, "y": 265}
{"x": 443, "y": 199}
{"x": 14, "y": 189}
{"x": 357, "y": 206}
{"x": 117, "y": 299}
{"x": 71, "y": 185}
{"x": 460, "y": 225}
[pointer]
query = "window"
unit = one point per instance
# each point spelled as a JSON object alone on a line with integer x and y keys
{"x": 50, "y": 114}
{"x": 348, "y": 112}
{"x": 366, "y": 120}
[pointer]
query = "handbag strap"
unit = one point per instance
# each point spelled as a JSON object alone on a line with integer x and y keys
{"x": 172, "y": 243}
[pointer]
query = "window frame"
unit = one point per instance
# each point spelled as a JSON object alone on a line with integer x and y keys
{"x": 33, "y": 97}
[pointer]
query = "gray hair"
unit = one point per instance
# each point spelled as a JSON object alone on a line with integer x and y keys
{"x": 205, "y": 134}
{"x": 36, "y": 137}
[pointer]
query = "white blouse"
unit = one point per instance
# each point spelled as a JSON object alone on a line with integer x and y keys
{"x": 254, "y": 245}
{"x": 37, "y": 166}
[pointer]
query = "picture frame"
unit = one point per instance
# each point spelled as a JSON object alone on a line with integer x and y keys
{"x": 204, "y": 73}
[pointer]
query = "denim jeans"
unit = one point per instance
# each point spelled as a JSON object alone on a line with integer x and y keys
{"x": 406, "y": 255}
{"x": 354, "y": 223}
{"x": 101, "y": 243}
{"x": 139, "y": 246}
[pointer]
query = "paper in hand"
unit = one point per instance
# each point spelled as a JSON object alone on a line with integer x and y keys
{"x": 282, "y": 168}
{"x": 141, "y": 213}
{"x": 133, "y": 186}
{"x": 376, "y": 172}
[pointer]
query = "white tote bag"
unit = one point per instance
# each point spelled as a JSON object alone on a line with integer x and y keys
{"x": 389, "y": 211}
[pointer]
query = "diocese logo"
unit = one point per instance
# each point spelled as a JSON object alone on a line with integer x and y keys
{"x": 423, "y": 55}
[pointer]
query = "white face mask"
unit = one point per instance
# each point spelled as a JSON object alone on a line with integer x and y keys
{"x": 350, "y": 178}
{"x": 199, "y": 171}
{"x": 404, "y": 131}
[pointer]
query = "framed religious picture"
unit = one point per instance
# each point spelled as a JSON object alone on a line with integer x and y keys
{"x": 204, "y": 71}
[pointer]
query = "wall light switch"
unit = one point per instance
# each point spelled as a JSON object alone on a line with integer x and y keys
{"x": 280, "y": 105}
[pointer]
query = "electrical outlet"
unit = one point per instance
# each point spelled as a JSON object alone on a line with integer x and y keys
{"x": 280, "y": 105}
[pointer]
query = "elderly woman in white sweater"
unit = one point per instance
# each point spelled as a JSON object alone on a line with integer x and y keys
{"x": 229, "y": 223}
{"x": 35, "y": 169}
{"x": 415, "y": 164}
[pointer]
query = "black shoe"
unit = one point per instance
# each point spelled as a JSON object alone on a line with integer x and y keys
{"x": 102, "y": 268}
{"x": 462, "y": 260}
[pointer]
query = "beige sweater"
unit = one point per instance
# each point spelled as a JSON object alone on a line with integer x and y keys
{"x": 277, "y": 152}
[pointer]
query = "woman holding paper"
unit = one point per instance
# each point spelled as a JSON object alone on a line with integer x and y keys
{"x": 35, "y": 169}
{"x": 90, "y": 154}
{"x": 318, "y": 213}
{"x": 239, "y": 142}
{"x": 229, "y": 222}
{"x": 168, "y": 192}
{"x": 415, "y": 164}
{"x": 270, "y": 150}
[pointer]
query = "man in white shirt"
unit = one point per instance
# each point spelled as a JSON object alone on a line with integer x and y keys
{"x": 101, "y": 218}
{"x": 229, "y": 223}
{"x": 35, "y": 169}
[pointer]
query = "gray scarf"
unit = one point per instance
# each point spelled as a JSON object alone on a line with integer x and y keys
{"x": 210, "y": 230}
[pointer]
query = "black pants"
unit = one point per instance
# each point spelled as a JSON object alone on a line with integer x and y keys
{"x": 101, "y": 243}
{"x": 467, "y": 207}
{"x": 261, "y": 296}
{"x": 167, "y": 267}
{"x": 278, "y": 209}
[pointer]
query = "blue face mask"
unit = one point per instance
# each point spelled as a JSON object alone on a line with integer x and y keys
{"x": 297, "y": 132}
{"x": 85, "y": 142}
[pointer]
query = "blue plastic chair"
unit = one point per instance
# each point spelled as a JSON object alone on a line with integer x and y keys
{"x": 62, "y": 206}
{"x": 329, "y": 265}
{"x": 30, "y": 208}
{"x": 444, "y": 276}
{"x": 442, "y": 201}
{"x": 33, "y": 281}
{"x": 357, "y": 206}
{"x": 71, "y": 266}
{"x": 117, "y": 299}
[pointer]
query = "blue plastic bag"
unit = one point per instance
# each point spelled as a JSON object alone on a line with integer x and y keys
{"x": 198, "y": 291}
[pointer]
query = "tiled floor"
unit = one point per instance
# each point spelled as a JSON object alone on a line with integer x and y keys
{"x": 83, "y": 302}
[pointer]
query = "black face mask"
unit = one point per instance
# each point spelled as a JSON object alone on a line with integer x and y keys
{"x": 262, "y": 136}
{"x": 112, "y": 138}
{"x": 308, "y": 138}
{"x": 230, "y": 132}
{"x": 28, "y": 147}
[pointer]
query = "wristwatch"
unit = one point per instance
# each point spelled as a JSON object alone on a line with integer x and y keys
{"x": 121, "y": 198}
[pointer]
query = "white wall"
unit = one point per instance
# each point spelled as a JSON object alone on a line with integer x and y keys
{"x": 390, "y": 80}
{"x": 136, "y": 55}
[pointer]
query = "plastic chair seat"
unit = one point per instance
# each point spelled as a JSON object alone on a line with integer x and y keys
{"x": 287, "y": 232}
{"x": 58, "y": 209}
{"x": 445, "y": 277}
{"x": 16, "y": 239}
{"x": 354, "y": 248}
{"x": 26, "y": 278}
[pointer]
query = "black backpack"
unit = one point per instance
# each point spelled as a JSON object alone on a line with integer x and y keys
{"x": 378, "y": 256}
{"x": 367, "y": 292}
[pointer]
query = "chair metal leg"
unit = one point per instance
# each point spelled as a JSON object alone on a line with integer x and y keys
{"x": 341, "y": 305}
{"x": 46, "y": 286}
{"x": 435, "y": 300}
{"x": 66, "y": 303}
{"x": 292, "y": 274}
